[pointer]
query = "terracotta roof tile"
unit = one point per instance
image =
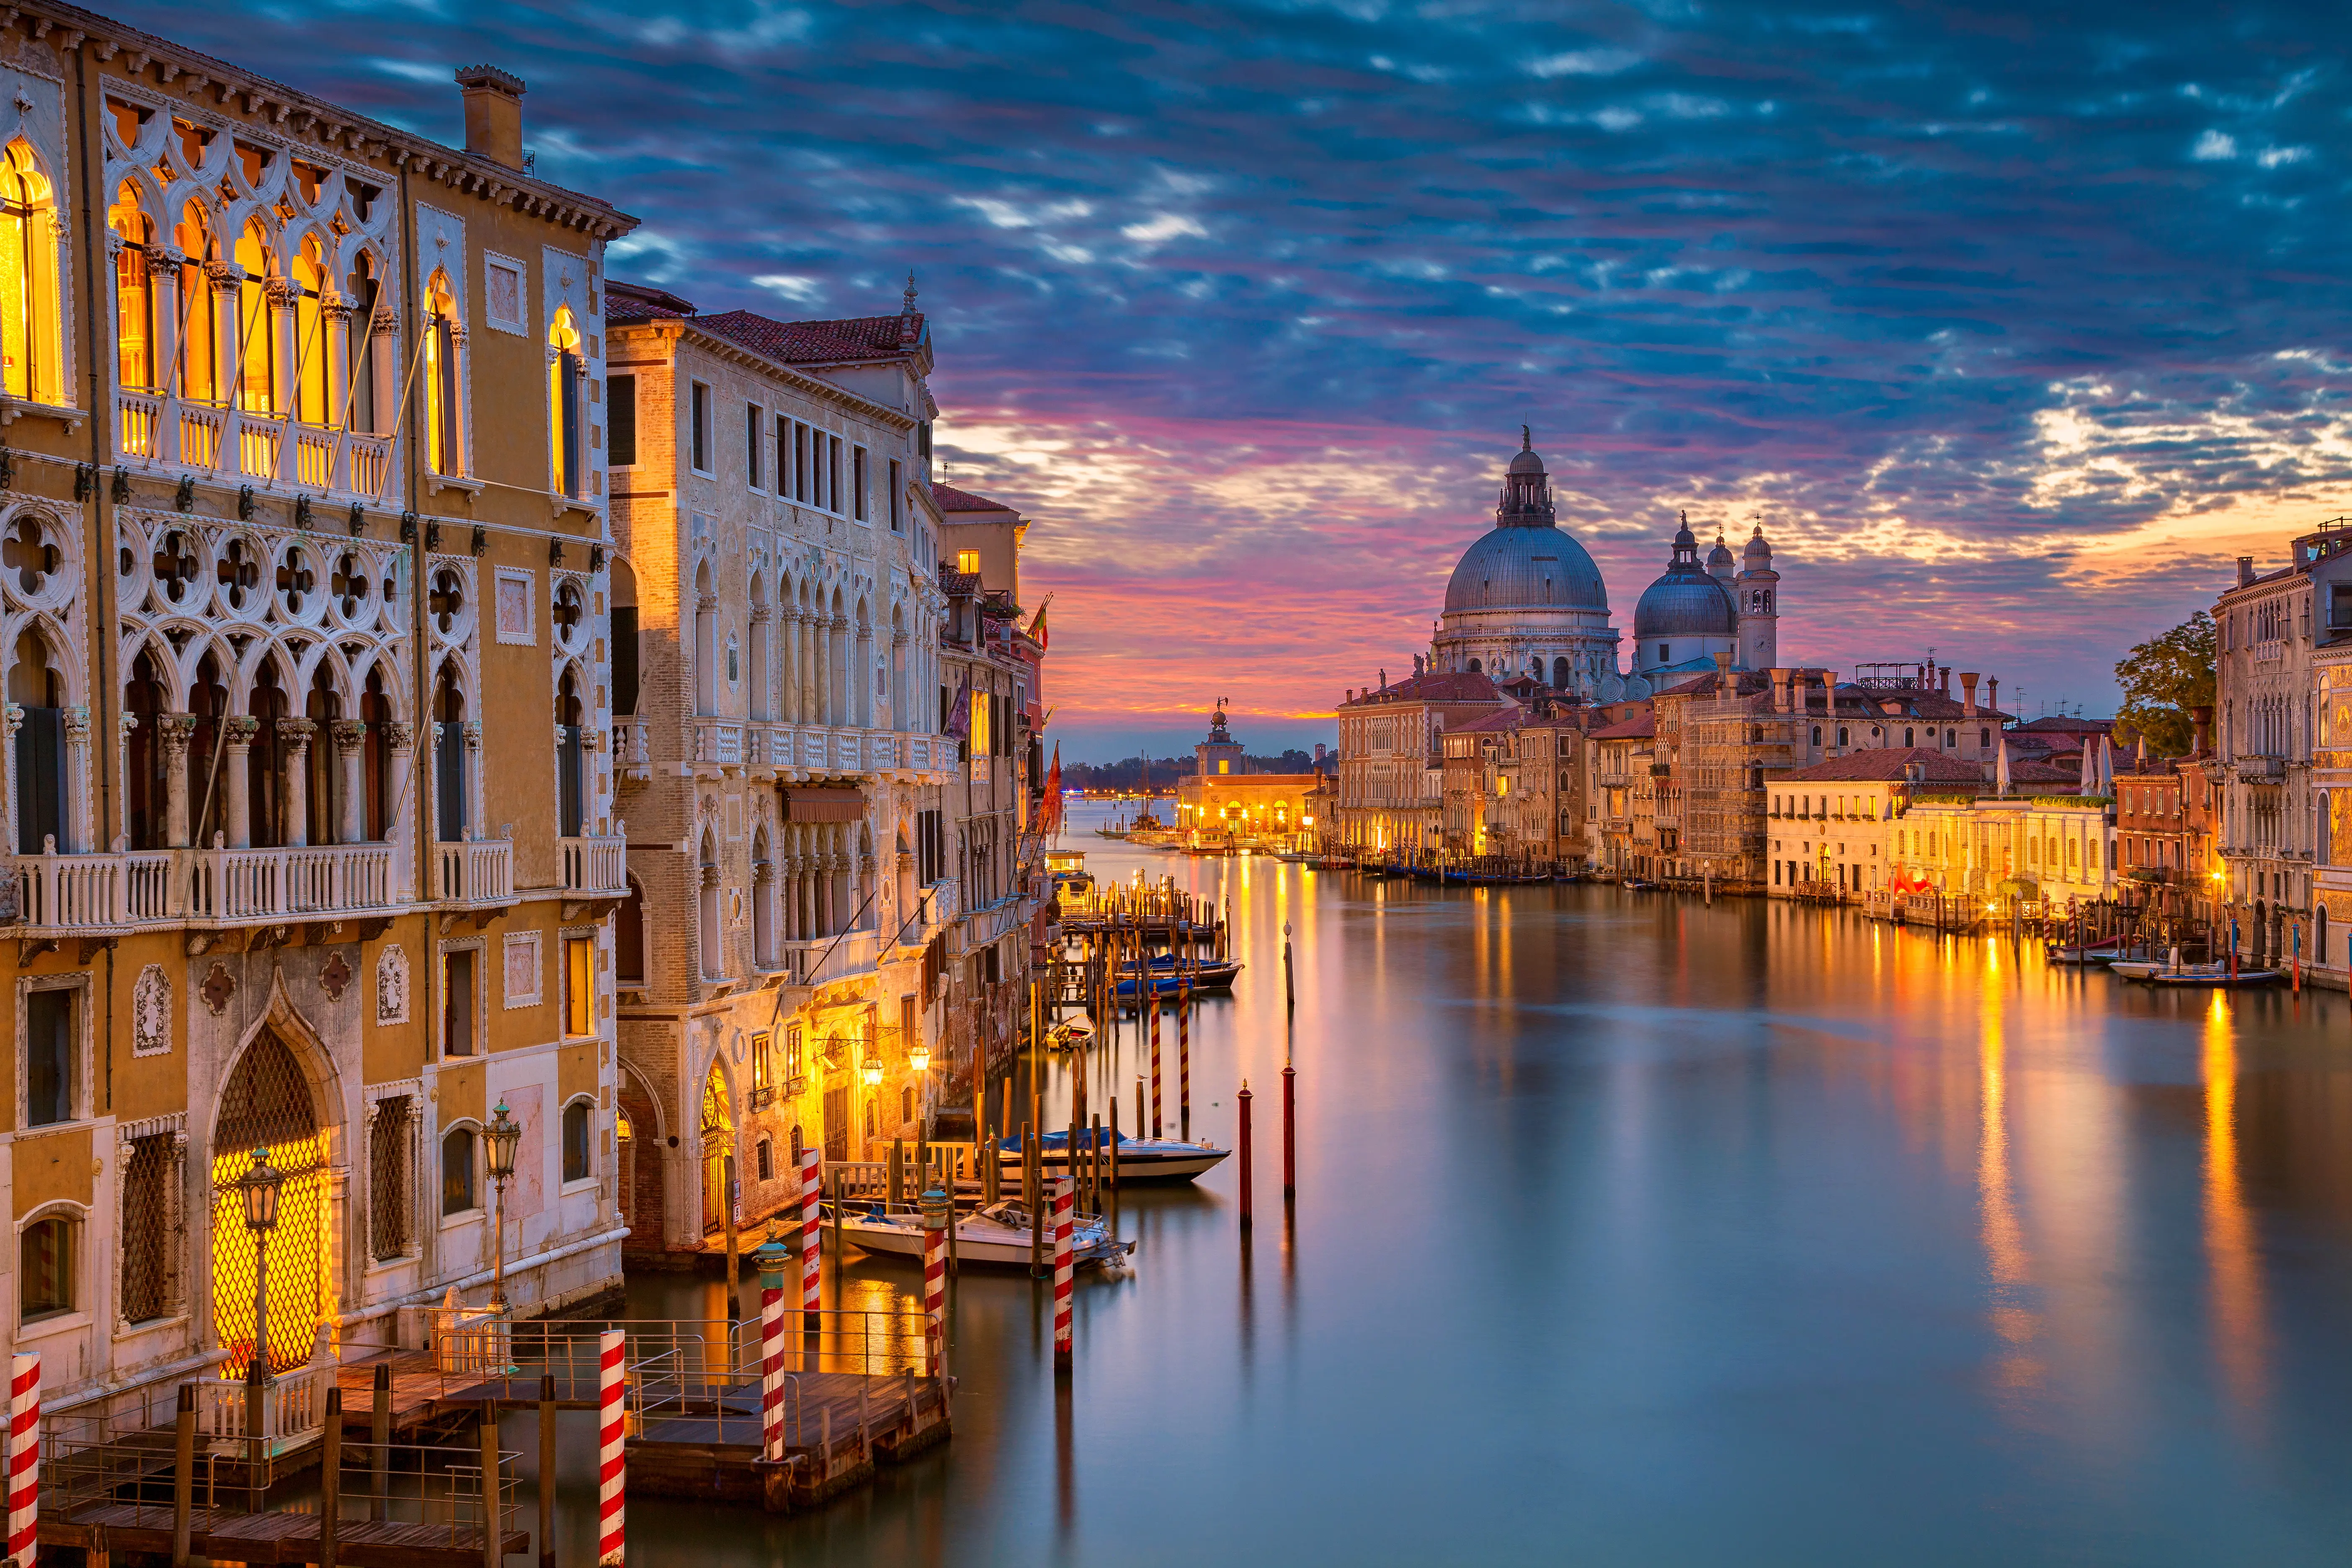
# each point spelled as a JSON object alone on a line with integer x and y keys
{"x": 1887, "y": 766}
{"x": 813, "y": 343}
{"x": 1640, "y": 727}
{"x": 953, "y": 500}
{"x": 1467, "y": 686}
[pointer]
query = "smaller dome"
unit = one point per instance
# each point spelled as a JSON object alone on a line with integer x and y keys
{"x": 1684, "y": 604}
{"x": 1758, "y": 552}
{"x": 1719, "y": 562}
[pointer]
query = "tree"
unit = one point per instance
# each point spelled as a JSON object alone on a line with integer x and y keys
{"x": 2163, "y": 679}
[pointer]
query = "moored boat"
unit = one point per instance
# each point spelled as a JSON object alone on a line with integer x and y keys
{"x": 1209, "y": 975}
{"x": 998, "y": 1235}
{"x": 1140, "y": 1159}
{"x": 2209, "y": 976}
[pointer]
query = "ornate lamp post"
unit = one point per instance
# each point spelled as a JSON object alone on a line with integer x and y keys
{"x": 500, "y": 1137}
{"x": 260, "y": 1186}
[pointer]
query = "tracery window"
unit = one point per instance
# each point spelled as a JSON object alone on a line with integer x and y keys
{"x": 136, "y": 330}
{"x": 259, "y": 388}
{"x": 31, "y": 337}
{"x": 197, "y": 375}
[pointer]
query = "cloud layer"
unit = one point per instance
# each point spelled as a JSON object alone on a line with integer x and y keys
{"x": 2013, "y": 323}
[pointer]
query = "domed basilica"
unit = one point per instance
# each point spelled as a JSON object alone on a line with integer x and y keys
{"x": 1527, "y": 602}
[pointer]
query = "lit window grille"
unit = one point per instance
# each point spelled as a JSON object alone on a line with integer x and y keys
{"x": 154, "y": 1225}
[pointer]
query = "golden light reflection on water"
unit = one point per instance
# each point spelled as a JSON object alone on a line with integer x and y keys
{"x": 2232, "y": 1255}
{"x": 2018, "y": 1368}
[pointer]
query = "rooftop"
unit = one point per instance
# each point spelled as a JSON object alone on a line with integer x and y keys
{"x": 1888, "y": 765}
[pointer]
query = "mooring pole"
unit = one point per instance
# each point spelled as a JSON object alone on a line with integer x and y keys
{"x": 547, "y": 1449}
{"x": 1243, "y": 1142}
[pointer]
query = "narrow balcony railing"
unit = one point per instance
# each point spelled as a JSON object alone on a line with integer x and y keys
{"x": 166, "y": 431}
{"x": 474, "y": 871}
{"x": 718, "y": 742}
{"x": 93, "y": 893}
{"x": 822, "y": 960}
{"x": 595, "y": 864}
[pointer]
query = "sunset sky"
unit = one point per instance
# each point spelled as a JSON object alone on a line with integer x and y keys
{"x": 2014, "y": 325}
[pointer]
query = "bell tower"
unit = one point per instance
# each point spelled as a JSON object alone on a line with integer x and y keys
{"x": 1756, "y": 592}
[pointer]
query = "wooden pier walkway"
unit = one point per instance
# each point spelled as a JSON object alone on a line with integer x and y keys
{"x": 271, "y": 1538}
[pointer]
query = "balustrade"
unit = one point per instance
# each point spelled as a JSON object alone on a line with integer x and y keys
{"x": 475, "y": 871}
{"x": 595, "y": 864}
{"x": 114, "y": 891}
{"x": 226, "y": 442}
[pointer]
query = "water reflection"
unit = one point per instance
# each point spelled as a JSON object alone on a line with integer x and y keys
{"x": 1630, "y": 1229}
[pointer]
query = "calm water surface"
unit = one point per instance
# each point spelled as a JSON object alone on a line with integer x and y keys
{"x": 1631, "y": 1230}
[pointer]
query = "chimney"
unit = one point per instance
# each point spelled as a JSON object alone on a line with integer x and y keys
{"x": 1969, "y": 692}
{"x": 493, "y": 114}
{"x": 1779, "y": 690}
{"x": 2245, "y": 569}
{"x": 1992, "y": 693}
{"x": 1945, "y": 675}
{"x": 2202, "y": 719}
{"x": 1726, "y": 687}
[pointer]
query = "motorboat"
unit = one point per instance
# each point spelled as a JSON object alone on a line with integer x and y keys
{"x": 2203, "y": 974}
{"x": 998, "y": 1235}
{"x": 1202, "y": 973}
{"x": 1140, "y": 1159}
{"x": 1070, "y": 1033}
{"x": 2089, "y": 952}
{"x": 2149, "y": 968}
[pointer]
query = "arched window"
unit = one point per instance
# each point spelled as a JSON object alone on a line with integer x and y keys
{"x": 197, "y": 309}
{"x": 449, "y": 756}
{"x": 706, "y": 642}
{"x": 571, "y": 761}
{"x": 258, "y": 390}
{"x": 1906, "y": 738}
{"x": 577, "y": 1140}
{"x": 1559, "y": 673}
{"x": 458, "y": 1187}
{"x": 30, "y": 338}
{"x": 565, "y": 372}
{"x": 767, "y": 1155}
{"x": 444, "y": 341}
{"x": 361, "y": 288}
{"x": 713, "y": 958}
{"x": 45, "y": 1267}
{"x": 136, "y": 332}
{"x": 1474, "y": 668}
{"x": 311, "y": 398}
{"x": 35, "y": 686}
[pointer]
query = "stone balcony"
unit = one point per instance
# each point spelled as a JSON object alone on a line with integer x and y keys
{"x": 186, "y": 436}
{"x": 595, "y": 866}
{"x": 474, "y": 874}
{"x": 768, "y": 748}
{"x": 110, "y": 894}
{"x": 822, "y": 960}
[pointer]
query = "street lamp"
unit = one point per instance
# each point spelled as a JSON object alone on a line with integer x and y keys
{"x": 919, "y": 1058}
{"x": 500, "y": 1137}
{"x": 260, "y": 1186}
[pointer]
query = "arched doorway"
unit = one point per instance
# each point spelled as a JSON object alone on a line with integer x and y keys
{"x": 269, "y": 1105}
{"x": 717, "y": 1128}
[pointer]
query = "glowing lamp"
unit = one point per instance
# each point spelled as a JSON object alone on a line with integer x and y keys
{"x": 919, "y": 1058}
{"x": 500, "y": 1137}
{"x": 260, "y": 1186}
{"x": 873, "y": 1073}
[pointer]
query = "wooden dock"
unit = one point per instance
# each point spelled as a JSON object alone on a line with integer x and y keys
{"x": 280, "y": 1537}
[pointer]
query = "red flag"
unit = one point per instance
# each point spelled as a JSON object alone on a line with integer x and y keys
{"x": 1053, "y": 784}
{"x": 1038, "y": 626}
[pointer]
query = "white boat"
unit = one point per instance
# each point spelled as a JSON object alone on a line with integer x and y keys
{"x": 996, "y": 1235}
{"x": 1140, "y": 1159}
{"x": 2150, "y": 968}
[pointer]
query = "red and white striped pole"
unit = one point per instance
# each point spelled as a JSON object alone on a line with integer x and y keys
{"x": 770, "y": 1259}
{"x": 612, "y": 1461}
{"x": 811, "y": 1236}
{"x": 937, "y": 1215}
{"x": 1063, "y": 1198}
{"x": 1144, "y": 982}
{"x": 1184, "y": 1060}
{"x": 24, "y": 1459}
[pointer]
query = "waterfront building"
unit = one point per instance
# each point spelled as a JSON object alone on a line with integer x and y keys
{"x": 1390, "y": 767}
{"x": 1834, "y": 828}
{"x": 2270, "y": 629}
{"x": 783, "y": 692}
{"x": 303, "y": 502}
{"x": 1622, "y": 794}
{"x": 1222, "y": 796}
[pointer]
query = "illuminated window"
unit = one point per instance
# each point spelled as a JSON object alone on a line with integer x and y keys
{"x": 135, "y": 334}
{"x": 565, "y": 370}
{"x": 579, "y": 986}
{"x": 45, "y": 1272}
{"x": 577, "y": 1128}
{"x": 457, "y": 1173}
{"x": 311, "y": 400}
{"x": 255, "y": 354}
{"x": 197, "y": 309}
{"x": 968, "y": 562}
{"x": 763, "y": 1068}
{"x": 30, "y": 337}
{"x": 445, "y": 343}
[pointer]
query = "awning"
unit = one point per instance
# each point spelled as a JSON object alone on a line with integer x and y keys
{"x": 823, "y": 806}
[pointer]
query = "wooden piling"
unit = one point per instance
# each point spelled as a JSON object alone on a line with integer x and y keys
{"x": 547, "y": 1468}
{"x": 1243, "y": 1144}
{"x": 1289, "y": 1132}
{"x": 493, "y": 1531}
{"x": 1114, "y": 1143}
{"x": 331, "y": 1478}
{"x": 183, "y": 1473}
{"x": 380, "y": 1450}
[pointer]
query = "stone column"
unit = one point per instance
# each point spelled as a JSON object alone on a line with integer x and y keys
{"x": 350, "y": 740}
{"x": 278, "y": 296}
{"x": 74, "y": 819}
{"x": 173, "y": 732}
{"x": 224, "y": 280}
{"x": 844, "y": 695}
{"x": 335, "y": 349}
{"x": 296, "y": 798}
{"x": 400, "y": 810}
{"x": 820, "y": 656}
{"x": 236, "y": 775}
{"x": 383, "y": 366}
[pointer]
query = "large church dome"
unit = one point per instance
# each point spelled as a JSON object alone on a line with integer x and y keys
{"x": 1525, "y": 568}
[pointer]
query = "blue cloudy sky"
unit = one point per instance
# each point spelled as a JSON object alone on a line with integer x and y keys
{"x": 2015, "y": 323}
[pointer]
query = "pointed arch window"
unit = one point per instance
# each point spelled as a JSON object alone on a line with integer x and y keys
{"x": 197, "y": 371}
{"x": 312, "y": 396}
{"x": 361, "y": 289}
{"x": 31, "y": 337}
{"x": 260, "y": 386}
{"x": 445, "y": 343}
{"x": 565, "y": 372}
{"x": 137, "y": 328}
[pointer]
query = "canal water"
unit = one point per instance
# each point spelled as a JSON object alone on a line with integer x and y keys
{"x": 1634, "y": 1230}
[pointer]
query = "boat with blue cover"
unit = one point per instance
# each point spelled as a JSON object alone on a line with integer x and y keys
{"x": 999, "y": 1234}
{"x": 1165, "y": 982}
{"x": 1140, "y": 1159}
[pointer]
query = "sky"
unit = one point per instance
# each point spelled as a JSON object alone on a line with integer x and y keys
{"x": 2012, "y": 324}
